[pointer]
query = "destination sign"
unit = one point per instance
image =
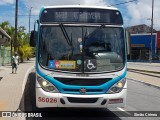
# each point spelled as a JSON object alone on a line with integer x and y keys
{"x": 81, "y": 15}
{"x": 76, "y": 16}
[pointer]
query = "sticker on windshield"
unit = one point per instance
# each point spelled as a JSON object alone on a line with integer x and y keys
{"x": 79, "y": 62}
{"x": 57, "y": 64}
{"x": 79, "y": 40}
{"x": 62, "y": 64}
{"x": 51, "y": 64}
{"x": 91, "y": 64}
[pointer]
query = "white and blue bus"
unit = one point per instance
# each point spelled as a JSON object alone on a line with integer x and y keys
{"x": 80, "y": 57}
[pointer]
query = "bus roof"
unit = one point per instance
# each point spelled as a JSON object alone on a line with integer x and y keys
{"x": 81, "y": 6}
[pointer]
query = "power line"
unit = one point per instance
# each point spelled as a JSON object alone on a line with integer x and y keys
{"x": 20, "y": 15}
{"x": 122, "y": 3}
{"x": 28, "y": 15}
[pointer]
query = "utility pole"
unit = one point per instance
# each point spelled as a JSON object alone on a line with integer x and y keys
{"x": 30, "y": 18}
{"x": 16, "y": 21}
{"x": 150, "y": 58}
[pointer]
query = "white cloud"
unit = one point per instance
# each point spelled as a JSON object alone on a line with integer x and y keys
{"x": 3, "y": 2}
{"x": 142, "y": 10}
{"x": 37, "y": 5}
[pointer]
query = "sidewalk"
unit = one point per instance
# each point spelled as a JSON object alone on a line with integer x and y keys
{"x": 12, "y": 85}
{"x": 144, "y": 72}
{"x": 153, "y": 67}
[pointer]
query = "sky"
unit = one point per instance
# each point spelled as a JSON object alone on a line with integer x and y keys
{"x": 134, "y": 13}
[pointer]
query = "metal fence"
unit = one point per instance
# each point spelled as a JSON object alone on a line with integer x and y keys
{"x": 5, "y": 55}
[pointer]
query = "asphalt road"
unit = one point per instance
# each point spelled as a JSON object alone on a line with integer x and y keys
{"x": 140, "y": 97}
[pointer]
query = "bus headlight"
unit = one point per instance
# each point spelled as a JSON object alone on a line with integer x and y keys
{"x": 47, "y": 86}
{"x": 116, "y": 88}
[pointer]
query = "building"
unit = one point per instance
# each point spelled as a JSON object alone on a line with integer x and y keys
{"x": 140, "y": 43}
{"x": 139, "y": 29}
{"x": 5, "y": 48}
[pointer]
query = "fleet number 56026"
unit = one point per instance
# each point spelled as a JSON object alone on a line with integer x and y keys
{"x": 47, "y": 100}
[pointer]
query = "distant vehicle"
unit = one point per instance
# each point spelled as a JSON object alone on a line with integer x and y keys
{"x": 80, "y": 57}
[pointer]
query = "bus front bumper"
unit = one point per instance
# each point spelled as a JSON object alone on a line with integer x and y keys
{"x": 46, "y": 99}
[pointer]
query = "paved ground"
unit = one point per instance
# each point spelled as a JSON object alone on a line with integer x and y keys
{"x": 145, "y": 76}
{"x": 12, "y": 85}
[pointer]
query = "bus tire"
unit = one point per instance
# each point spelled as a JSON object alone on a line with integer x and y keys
{"x": 32, "y": 79}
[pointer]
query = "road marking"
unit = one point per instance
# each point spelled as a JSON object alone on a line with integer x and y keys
{"x": 123, "y": 110}
{"x": 120, "y": 109}
{"x": 25, "y": 78}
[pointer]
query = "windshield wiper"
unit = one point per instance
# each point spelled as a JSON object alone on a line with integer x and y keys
{"x": 94, "y": 32}
{"x": 69, "y": 41}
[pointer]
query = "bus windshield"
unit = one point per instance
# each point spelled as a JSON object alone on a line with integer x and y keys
{"x": 81, "y": 49}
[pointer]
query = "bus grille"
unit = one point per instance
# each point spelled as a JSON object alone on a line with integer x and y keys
{"x": 82, "y": 100}
{"x": 83, "y": 82}
{"x": 87, "y": 90}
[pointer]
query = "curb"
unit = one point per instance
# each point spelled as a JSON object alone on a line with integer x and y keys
{"x": 26, "y": 77}
{"x": 148, "y": 64}
{"x": 148, "y": 84}
{"x": 143, "y": 73}
{"x": 148, "y": 71}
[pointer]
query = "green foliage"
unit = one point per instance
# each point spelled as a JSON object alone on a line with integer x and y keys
{"x": 5, "y": 25}
{"x": 24, "y": 50}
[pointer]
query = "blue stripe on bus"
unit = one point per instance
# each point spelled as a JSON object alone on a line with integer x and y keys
{"x": 60, "y": 86}
{"x": 41, "y": 10}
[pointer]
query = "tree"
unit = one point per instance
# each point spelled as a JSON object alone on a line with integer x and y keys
{"x": 5, "y": 25}
{"x": 24, "y": 50}
{"x": 9, "y": 30}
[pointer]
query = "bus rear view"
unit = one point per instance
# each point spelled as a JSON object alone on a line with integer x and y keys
{"x": 80, "y": 57}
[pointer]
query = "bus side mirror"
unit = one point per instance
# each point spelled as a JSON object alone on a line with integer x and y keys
{"x": 33, "y": 38}
{"x": 128, "y": 44}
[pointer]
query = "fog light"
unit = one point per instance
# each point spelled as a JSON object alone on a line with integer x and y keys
{"x": 114, "y": 101}
{"x": 51, "y": 88}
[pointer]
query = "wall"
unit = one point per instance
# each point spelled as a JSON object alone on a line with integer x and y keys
{"x": 5, "y": 55}
{"x": 140, "y": 41}
{"x": 158, "y": 40}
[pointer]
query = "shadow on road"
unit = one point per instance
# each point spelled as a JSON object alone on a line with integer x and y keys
{"x": 27, "y": 104}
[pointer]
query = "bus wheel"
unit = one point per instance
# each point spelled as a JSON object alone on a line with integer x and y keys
{"x": 32, "y": 80}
